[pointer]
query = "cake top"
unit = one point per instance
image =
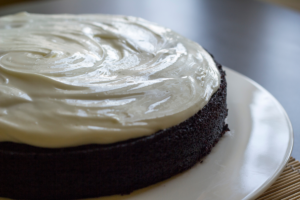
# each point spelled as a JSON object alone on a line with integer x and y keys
{"x": 68, "y": 80}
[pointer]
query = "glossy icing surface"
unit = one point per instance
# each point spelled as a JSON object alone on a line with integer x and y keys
{"x": 68, "y": 80}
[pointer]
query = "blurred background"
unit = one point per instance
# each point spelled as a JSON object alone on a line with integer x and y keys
{"x": 13, "y": 2}
{"x": 292, "y": 4}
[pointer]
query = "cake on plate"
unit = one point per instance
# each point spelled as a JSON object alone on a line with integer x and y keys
{"x": 97, "y": 105}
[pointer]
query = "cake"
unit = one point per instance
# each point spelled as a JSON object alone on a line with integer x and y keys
{"x": 97, "y": 105}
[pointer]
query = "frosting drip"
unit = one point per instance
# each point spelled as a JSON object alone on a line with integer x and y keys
{"x": 69, "y": 80}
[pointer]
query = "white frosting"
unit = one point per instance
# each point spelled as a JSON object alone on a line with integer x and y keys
{"x": 68, "y": 80}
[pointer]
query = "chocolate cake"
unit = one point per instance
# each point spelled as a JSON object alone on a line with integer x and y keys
{"x": 95, "y": 169}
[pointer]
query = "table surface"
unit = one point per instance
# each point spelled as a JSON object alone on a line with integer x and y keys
{"x": 259, "y": 40}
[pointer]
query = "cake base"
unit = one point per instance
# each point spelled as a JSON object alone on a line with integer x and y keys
{"x": 28, "y": 172}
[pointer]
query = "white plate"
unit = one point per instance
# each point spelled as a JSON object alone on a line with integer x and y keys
{"x": 245, "y": 162}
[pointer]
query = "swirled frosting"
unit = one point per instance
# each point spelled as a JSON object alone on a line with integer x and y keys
{"x": 68, "y": 80}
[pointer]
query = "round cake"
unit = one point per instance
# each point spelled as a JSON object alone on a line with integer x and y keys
{"x": 97, "y": 105}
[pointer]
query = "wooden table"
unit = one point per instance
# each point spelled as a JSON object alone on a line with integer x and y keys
{"x": 259, "y": 40}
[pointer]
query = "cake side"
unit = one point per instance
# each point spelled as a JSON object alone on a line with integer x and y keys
{"x": 101, "y": 170}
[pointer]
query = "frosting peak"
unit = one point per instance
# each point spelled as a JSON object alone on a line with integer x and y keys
{"x": 69, "y": 80}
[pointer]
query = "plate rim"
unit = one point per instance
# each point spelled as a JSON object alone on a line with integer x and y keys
{"x": 262, "y": 188}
